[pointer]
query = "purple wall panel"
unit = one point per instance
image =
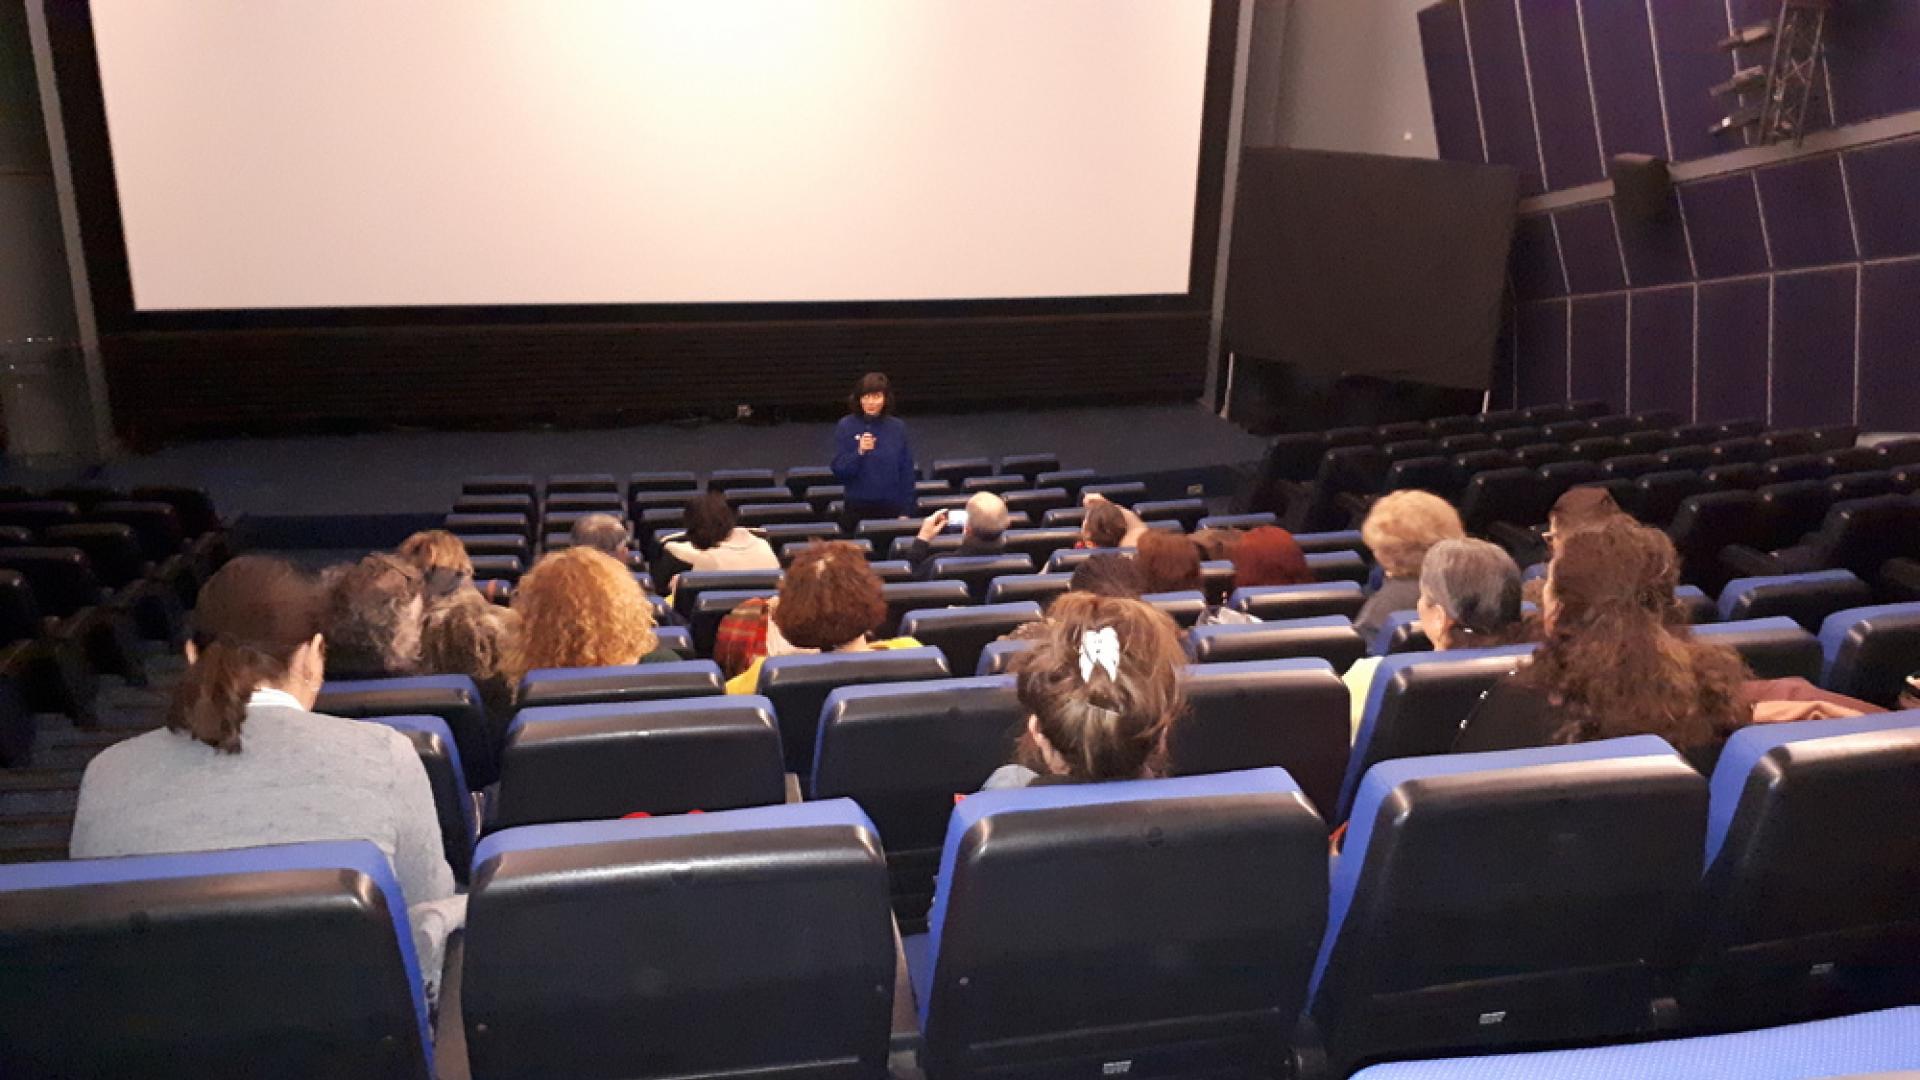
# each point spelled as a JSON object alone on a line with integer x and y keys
{"x": 1805, "y": 203}
{"x": 1871, "y": 55}
{"x": 1591, "y": 250}
{"x": 1656, "y": 248}
{"x": 1723, "y": 216}
{"x": 1689, "y": 66}
{"x": 1536, "y": 259}
{"x": 1456, "y": 123}
{"x": 1599, "y": 368}
{"x": 1886, "y": 198}
{"x": 1890, "y": 346}
{"x": 1540, "y": 375}
{"x": 1620, "y": 47}
{"x": 1660, "y": 352}
{"x": 1493, "y": 30}
{"x": 1560, "y": 95}
{"x": 1733, "y": 349}
{"x": 1813, "y": 347}
{"x": 1503, "y": 391}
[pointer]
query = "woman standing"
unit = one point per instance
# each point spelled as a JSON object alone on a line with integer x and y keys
{"x": 871, "y": 456}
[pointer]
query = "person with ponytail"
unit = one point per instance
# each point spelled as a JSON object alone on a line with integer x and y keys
{"x": 243, "y": 760}
{"x": 1101, "y": 688}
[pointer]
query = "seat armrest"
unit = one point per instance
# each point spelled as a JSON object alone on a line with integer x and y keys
{"x": 1743, "y": 561}
{"x": 449, "y": 1023}
{"x": 1514, "y": 538}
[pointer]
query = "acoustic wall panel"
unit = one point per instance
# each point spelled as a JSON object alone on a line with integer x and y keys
{"x": 1540, "y": 375}
{"x": 1890, "y": 346}
{"x": 1733, "y": 349}
{"x": 1625, "y": 82}
{"x": 1590, "y": 247}
{"x": 1885, "y": 181}
{"x": 1660, "y": 351}
{"x": 1536, "y": 259}
{"x": 1812, "y": 373}
{"x": 1723, "y": 217}
{"x": 1493, "y": 32}
{"x": 1557, "y": 65}
{"x": 1456, "y": 119}
{"x": 1690, "y": 64}
{"x": 1805, "y": 203}
{"x": 1871, "y": 51}
{"x": 1656, "y": 247}
{"x": 1599, "y": 368}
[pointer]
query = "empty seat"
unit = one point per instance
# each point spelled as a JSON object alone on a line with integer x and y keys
{"x": 1793, "y": 442}
{"x": 1540, "y": 454}
{"x": 1805, "y": 598}
{"x": 1658, "y": 495}
{"x": 1184, "y": 606}
{"x": 677, "y": 638}
{"x": 997, "y": 658}
{"x": 1691, "y": 458}
{"x": 1400, "y": 632}
{"x": 663, "y": 481}
{"x": 1286, "y": 713}
{"x": 1736, "y": 474}
{"x": 755, "y": 515}
{"x": 729, "y": 479}
{"x": 744, "y": 496}
{"x": 1740, "y": 448}
{"x": 961, "y": 632}
{"x": 1039, "y": 588}
{"x": 1508, "y": 899}
{"x": 1860, "y": 485}
{"x": 978, "y": 570}
{"x": 453, "y": 698}
{"x": 1774, "y": 648}
{"x": 1067, "y": 560}
{"x": 489, "y": 524}
{"x": 602, "y": 502}
{"x": 1435, "y": 474}
{"x": 1444, "y": 426}
{"x": 1515, "y": 437}
{"x": 659, "y": 499}
{"x": 798, "y": 686}
{"x": 582, "y": 762}
{"x": 695, "y": 582}
{"x": 1478, "y": 461}
{"x": 822, "y": 496}
{"x": 1329, "y": 566}
{"x": 576, "y": 483}
{"x": 891, "y": 570}
{"x": 802, "y": 477}
{"x": 1040, "y": 544}
{"x": 1029, "y": 465}
{"x": 499, "y": 485}
{"x": 907, "y": 596}
{"x": 1335, "y": 540}
{"x": 1792, "y": 510}
{"x": 1236, "y": 521}
{"x": 1649, "y": 442}
{"x": 749, "y": 943}
{"x": 1742, "y": 428}
{"x": 1565, "y": 431}
{"x": 1811, "y": 873}
{"x": 955, "y": 470}
{"x": 882, "y": 533}
{"x": 1465, "y": 443}
{"x": 1039, "y": 501}
{"x": 1797, "y": 467}
{"x": 903, "y": 753}
{"x": 292, "y": 960}
{"x": 712, "y": 607}
{"x": 1496, "y": 419}
{"x": 1516, "y": 495}
{"x": 439, "y": 755}
{"x": 1709, "y": 522}
{"x": 1416, "y": 705}
{"x": 1344, "y": 471}
{"x": 1207, "y": 892}
{"x": 1897, "y": 452}
{"x": 494, "y": 504}
{"x": 1870, "y": 651}
{"x": 1272, "y": 603}
{"x": 1187, "y": 512}
{"x": 1074, "y": 480}
{"x": 1328, "y": 637}
{"x": 782, "y": 535}
{"x": 1405, "y": 429}
{"x": 1858, "y": 535}
{"x": 997, "y": 484}
{"x": 791, "y": 549}
{"x": 1409, "y": 449}
{"x": 630, "y": 683}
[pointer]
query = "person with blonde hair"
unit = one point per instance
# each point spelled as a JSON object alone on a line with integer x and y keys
{"x": 1101, "y": 688}
{"x": 581, "y": 608}
{"x": 1399, "y": 530}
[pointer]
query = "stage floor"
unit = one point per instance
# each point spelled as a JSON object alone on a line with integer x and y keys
{"x": 420, "y": 472}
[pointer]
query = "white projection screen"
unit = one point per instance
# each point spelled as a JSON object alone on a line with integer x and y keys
{"x": 394, "y": 153}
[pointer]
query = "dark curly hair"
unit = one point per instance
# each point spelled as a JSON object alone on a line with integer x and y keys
{"x": 1615, "y": 655}
{"x": 829, "y": 597}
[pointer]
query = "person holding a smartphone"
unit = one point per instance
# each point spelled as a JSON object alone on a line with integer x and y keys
{"x": 982, "y": 527}
{"x": 871, "y": 455}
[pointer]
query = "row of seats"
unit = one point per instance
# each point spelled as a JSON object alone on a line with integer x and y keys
{"x": 1152, "y": 927}
{"x": 898, "y": 733}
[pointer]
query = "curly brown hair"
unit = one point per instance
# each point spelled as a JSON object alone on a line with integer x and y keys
{"x": 436, "y": 549}
{"x": 829, "y": 598}
{"x": 1104, "y": 727}
{"x": 1168, "y": 562}
{"x": 467, "y": 634}
{"x": 579, "y": 608}
{"x": 1616, "y": 658}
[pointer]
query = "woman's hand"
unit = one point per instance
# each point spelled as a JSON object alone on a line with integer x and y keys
{"x": 866, "y": 442}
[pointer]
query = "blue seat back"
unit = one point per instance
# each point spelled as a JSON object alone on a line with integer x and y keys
{"x": 1870, "y": 651}
{"x": 1329, "y": 637}
{"x": 1805, "y": 598}
{"x": 978, "y": 570}
{"x": 1286, "y": 713}
{"x": 1271, "y": 603}
{"x": 962, "y": 633}
{"x": 290, "y": 960}
{"x": 1039, "y": 588}
{"x": 1775, "y": 648}
{"x": 453, "y": 698}
{"x": 583, "y": 762}
{"x": 798, "y": 686}
{"x": 452, "y": 800}
{"x": 629, "y": 682}
{"x": 1400, "y": 632}
{"x": 1812, "y": 871}
{"x": 1183, "y": 606}
{"x": 1502, "y": 899}
{"x": 1208, "y": 892}
{"x": 997, "y": 657}
{"x": 753, "y": 942}
{"x": 908, "y": 596}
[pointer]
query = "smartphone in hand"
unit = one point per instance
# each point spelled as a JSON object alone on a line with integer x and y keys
{"x": 956, "y": 519}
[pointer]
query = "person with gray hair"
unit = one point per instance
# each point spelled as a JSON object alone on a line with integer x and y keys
{"x": 1469, "y": 599}
{"x": 982, "y": 534}
{"x": 603, "y": 532}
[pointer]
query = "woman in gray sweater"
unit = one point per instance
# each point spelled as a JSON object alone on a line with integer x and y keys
{"x": 244, "y": 761}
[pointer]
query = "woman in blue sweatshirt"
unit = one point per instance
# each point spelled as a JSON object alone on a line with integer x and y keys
{"x": 871, "y": 456}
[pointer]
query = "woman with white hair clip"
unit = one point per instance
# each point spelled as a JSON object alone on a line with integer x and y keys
{"x": 1469, "y": 599}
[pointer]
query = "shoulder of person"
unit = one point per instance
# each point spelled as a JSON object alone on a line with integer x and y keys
{"x": 1010, "y": 776}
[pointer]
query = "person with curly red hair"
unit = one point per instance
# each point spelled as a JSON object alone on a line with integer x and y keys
{"x": 581, "y": 608}
{"x": 829, "y": 601}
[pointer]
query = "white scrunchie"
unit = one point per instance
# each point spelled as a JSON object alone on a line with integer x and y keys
{"x": 1100, "y": 648}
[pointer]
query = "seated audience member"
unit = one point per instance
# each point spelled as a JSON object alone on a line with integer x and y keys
{"x": 466, "y": 634}
{"x": 442, "y": 561}
{"x": 1399, "y": 530}
{"x": 604, "y": 533}
{"x": 1169, "y": 562}
{"x": 1614, "y": 660}
{"x": 580, "y": 608}
{"x": 1216, "y": 545}
{"x": 714, "y": 541}
{"x": 1108, "y": 524}
{"x": 829, "y": 601}
{"x": 1469, "y": 599}
{"x": 372, "y": 618}
{"x": 1110, "y": 575}
{"x": 983, "y": 534}
{"x": 244, "y": 761}
{"x": 1101, "y": 688}
{"x": 1576, "y": 510}
{"x": 1269, "y": 555}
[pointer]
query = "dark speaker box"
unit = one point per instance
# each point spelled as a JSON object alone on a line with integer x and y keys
{"x": 1642, "y": 187}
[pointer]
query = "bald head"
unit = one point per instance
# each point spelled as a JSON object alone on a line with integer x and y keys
{"x": 986, "y": 515}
